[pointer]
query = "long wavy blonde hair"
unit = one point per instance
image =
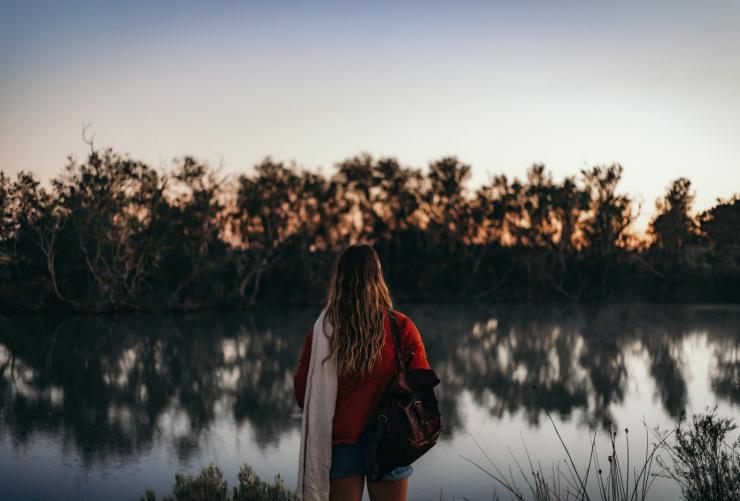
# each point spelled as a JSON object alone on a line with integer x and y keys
{"x": 356, "y": 307}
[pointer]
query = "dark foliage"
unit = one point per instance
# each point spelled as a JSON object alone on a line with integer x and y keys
{"x": 704, "y": 460}
{"x": 113, "y": 234}
{"x": 210, "y": 485}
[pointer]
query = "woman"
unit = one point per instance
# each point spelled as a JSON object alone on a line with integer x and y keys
{"x": 350, "y": 353}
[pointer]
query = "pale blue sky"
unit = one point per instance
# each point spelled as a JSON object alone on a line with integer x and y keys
{"x": 655, "y": 86}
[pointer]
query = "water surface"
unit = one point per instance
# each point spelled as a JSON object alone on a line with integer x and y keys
{"x": 104, "y": 407}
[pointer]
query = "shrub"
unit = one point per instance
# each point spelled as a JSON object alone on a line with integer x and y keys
{"x": 702, "y": 461}
{"x": 211, "y": 486}
{"x": 251, "y": 488}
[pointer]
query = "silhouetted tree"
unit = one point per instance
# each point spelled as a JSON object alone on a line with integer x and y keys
{"x": 108, "y": 206}
{"x": 609, "y": 214}
{"x": 112, "y": 233}
{"x": 674, "y": 227}
{"x": 721, "y": 225}
{"x": 445, "y": 203}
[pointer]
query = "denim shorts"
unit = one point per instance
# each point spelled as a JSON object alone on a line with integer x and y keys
{"x": 347, "y": 460}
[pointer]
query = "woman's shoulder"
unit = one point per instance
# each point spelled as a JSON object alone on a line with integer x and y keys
{"x": 400, "y": 317}
{"x": 405, "y": 323}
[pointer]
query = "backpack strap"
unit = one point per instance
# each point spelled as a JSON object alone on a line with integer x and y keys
{"x": 397, "y": 341}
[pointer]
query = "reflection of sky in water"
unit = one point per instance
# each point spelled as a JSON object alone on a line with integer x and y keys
{"x": 105, "y": 408}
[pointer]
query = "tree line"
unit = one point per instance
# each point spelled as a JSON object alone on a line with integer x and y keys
{"x": 114, "y": 234}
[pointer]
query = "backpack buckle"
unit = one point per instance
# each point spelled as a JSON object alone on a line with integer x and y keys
{"x": 382, "y": 418}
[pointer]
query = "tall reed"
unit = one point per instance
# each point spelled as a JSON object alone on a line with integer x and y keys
{"x": 612, "y": 480}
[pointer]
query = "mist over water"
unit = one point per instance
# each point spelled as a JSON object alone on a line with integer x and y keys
{"x": 104, "y": 407}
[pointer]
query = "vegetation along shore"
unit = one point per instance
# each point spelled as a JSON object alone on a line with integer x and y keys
{"x": 114, "y": 234}
{"x": 700, "y": 456}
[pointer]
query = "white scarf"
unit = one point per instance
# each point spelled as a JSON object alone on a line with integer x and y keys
{"x": 320, "y": 399}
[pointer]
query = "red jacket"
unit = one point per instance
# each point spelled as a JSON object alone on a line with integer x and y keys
{"x": 357, "y": 397}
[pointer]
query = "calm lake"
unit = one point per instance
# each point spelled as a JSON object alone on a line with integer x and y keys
{"x": 105, "y": 407}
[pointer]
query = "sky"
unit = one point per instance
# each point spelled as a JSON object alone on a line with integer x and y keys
{"x": 654, "y": 86}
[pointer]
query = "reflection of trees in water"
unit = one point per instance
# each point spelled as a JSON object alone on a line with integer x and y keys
{"x": 667, "y": 368}
{"x": 505, "y": 358}
{"x": 576, "y": 358}
{"x": 725, "y": 379}
{"x": 113, "y": 387}
{"x": 70, "y": 382}
{"x": 263, "y": 374}
{"x": 726, "y": 382}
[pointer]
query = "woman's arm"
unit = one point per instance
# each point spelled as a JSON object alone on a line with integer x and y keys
{"x": 301, "y": 375}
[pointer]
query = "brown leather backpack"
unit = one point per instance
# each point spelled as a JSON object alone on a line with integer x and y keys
{"x": 408, "y": 418}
